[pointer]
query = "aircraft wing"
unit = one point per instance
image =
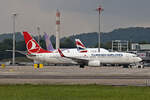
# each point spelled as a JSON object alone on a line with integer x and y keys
{"x": 21, "y": 52}
{"x": 78, "y": 60}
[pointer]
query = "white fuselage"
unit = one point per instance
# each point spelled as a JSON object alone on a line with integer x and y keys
{"x": 103, "y": 57}
{"x": 89, "y": 50}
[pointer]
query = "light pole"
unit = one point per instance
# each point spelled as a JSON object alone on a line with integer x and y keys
{"x": 38, "y": 29}
{"x": 99, "y": 9}
{"x": 14, "y": 36}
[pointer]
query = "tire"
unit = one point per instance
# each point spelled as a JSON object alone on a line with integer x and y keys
{"x": 81, "y": 66}
{"x": 125, "y": 66}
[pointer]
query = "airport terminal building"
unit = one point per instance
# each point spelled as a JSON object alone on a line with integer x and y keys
{"x": 143, "y": 51}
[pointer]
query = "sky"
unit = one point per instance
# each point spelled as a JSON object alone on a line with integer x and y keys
{"x": 77, "y": 16}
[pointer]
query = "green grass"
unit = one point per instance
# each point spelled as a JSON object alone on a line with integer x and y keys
{"x": 72, "y": 92}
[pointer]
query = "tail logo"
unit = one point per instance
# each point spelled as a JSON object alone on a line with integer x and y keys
{"x": 32, "y": 46}
{"x": 80, "y": 46}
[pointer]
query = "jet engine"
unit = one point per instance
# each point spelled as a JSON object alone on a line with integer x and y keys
{"x": 94, "y": 63}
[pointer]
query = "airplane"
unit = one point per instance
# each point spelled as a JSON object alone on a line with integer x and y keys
{"x": 95, "y": 59}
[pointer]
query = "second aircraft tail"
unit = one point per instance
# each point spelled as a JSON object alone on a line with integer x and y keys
{"x": 80, "y": 47}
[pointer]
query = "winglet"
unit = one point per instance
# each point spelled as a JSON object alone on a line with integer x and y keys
{"x": 61, "y": 54}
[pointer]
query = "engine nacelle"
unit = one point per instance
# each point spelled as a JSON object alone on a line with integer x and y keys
{"x": 94, "y": 63}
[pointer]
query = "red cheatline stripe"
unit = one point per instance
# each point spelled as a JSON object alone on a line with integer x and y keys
{"x": 83, "y": 51}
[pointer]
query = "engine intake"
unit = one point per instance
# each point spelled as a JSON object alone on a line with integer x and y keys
{"x": 94, "y": 63}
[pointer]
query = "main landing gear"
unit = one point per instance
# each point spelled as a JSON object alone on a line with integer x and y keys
{"x": 134, "y": 65}
{"x": 81, "y": 66}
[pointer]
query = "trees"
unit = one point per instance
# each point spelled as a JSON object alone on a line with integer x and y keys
{"x": 5, "y": 45}
{"x": 106, "y": 45}
{"x": 67, "y": 43}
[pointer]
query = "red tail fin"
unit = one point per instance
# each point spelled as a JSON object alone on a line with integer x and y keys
{"x": 32, "y": 46}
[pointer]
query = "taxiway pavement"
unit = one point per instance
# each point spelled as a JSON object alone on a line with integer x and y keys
{"x": 75, "y": 75}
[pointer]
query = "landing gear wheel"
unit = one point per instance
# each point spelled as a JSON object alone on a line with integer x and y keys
{"x": 81, "y": 66}
{"x": 125, "y": 66}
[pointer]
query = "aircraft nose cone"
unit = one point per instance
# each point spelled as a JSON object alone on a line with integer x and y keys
{"x": 139, "y": 59}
